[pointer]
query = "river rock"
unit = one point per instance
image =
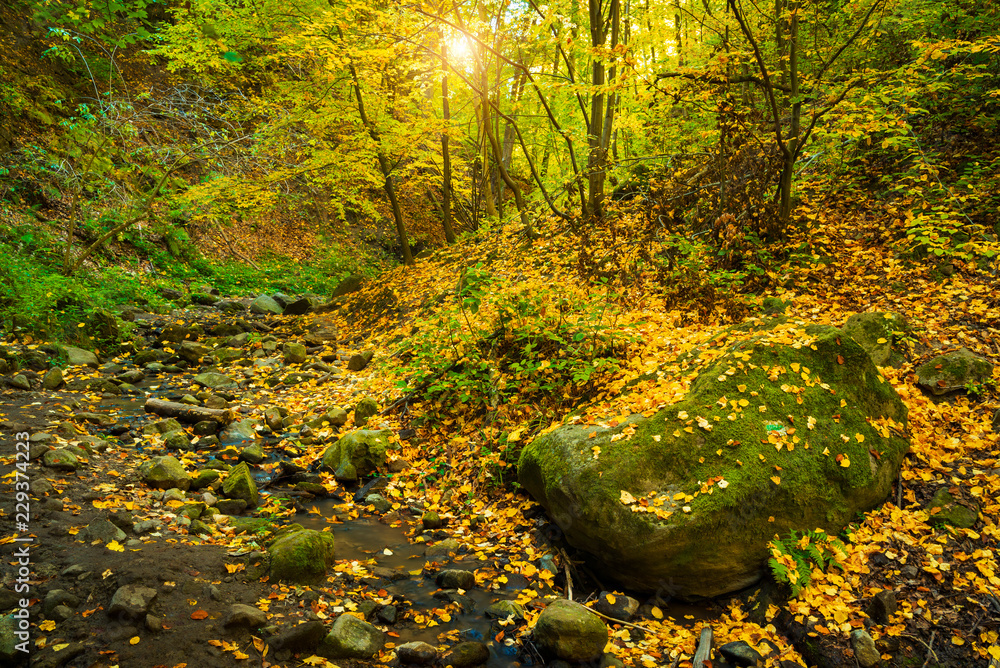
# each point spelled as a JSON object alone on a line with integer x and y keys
{"x": 239, "y": 432}
{"x": 301, "y": 306}
{"x": 264, "y": 304}
{"x": 203, "y": 478}
{"x": 192, "y": 352}
{"x": 301, "y": 557}
{"x": 356, "y": 454}
{"x": 239, "y": 614}
{"x": 442, "y": 548}
{"x": 806, "y": 399}
{"x": 417, "y": 653}
{"x": 882, "y": 607}
{"x": 351, "y": 638}
{"x": 864, "y": 649}
{"x": 618, "y": 606}
{"x": 252, "y": 454}
{"x": 175, "y": 333}
{"x": 740, "y": 653}
{"x": 273, "y": 419}
{"x": 203, "y": 299}
{"x": 304, "y": 637}
{"x": 131, "y": 601}
{"x": 164, "y": 473}
{"x": 177, "y": 440}
{"x": 61, "y": 459}
{"x": 148, "y": 356}
{"x": 9, "y": 641}
{"x": 953, "y": 371}
{"x": 505, "y": 609}
{"x": 53, "y": 379}
{"x": 943, "y": 508}
{"x": 57, "y": 597}
{"x": 467, "y": 654}
{"x": 213, "y": 380}
{"x": 19, "y": 382}
{"x": 366, "y": 409}
{"x": 79, "y": 356}
{"x": 454, "y": 578}
{"x": 569, "y": 631}
{"x": 359, "y": 361}
{"x": 334, "y": 417}
{"x": 294, "y": 353}
{"x": 162, "y": 427}
{"x": 104, "y": 531}
{"x": 239, "y": 484}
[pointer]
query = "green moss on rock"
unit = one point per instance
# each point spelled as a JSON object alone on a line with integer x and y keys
{"x": 239, "y": 484}
{"x": 813, "y": 403}
{"x": 953, "y": 371}
{"x": 301, "y": 557}
{"x": 356, "y": 454}
{"x": 878, "y": 333}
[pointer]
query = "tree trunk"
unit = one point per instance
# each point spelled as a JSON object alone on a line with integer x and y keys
{"x": 186, "y": 413}
{"x": 383, "y": 163}
{"x": 449, "y": 232}
{"x": 792, "y": 148}
{"x": 595, "y": 168}
{"x": 518, "y": 197}
{"x": 677, "y": 33}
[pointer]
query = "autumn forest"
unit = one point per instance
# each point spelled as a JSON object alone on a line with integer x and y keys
{"x": 604, "y": 333}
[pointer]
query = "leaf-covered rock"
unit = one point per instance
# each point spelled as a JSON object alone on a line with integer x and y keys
{"x": 792, "y": 428}
{"x": 953, "y": 371}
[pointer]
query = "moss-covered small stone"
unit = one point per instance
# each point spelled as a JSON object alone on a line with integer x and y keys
{"x": 165, "y": 473}
{"x": 302, "y": 557}
{"x": 569, "y": 631}
{"x": 239, "y": 484}
{"x": 954, "y": 371}
{"x": 356, "y": 454}
{"x": 351, "y": 638}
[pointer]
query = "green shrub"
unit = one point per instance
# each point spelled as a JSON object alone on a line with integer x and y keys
{"x": 488, "y": 345}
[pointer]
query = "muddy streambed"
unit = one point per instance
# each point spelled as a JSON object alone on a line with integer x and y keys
{"x": 382, "y": 558}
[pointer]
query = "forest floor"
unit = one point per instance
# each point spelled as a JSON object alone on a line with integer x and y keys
{"x": 462, "y": 464}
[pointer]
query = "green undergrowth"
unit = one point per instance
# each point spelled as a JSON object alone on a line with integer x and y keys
{"x": 492, "y": 341}
{"x": 38, "y": 299}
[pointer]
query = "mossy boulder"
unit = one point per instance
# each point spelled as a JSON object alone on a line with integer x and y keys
{"x": 790, "y": 427}
{"x": 294, "y": 353}
{"x": 301, "y": 557}
{"x": 165, "y": 473}
{"x": 239, "y": 484}
{"x": 569, "y": 631}
{"x": 266, "y": 305}
{"x": 945, "y": 509}
{"x": 61, "y": 459}
{"x": 78, "y": 356}
{"x": 213, "y": 380}
{"x": 954, "y": 371}
{"x": 879, "y": 333}
{"x": 356, "y": 454}
{"x": 366, "y": 409}
{"x": 351, "y": 638}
